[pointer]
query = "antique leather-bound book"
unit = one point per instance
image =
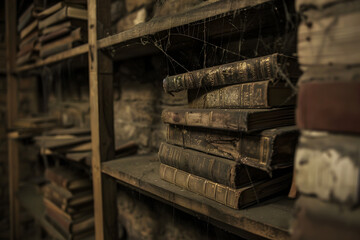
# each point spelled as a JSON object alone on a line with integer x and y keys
{"x": 62, "y": 44}
{"x": 267, "y": 150}
{"x": 78, "y": 224}
{"x": 70, "y": 179}
{"x": 30, "y": 47}
{"x": 67, "y": 12}
{"x": 216, "y": 169}
{"x": 32, "y": 37}
{"x": 255, "y": 69}
{"x": 230, "y": 119}
{"x": 264, "y": 94}
{"x": 332, "y": 106}
{"x": 58, "y": 6}
{"x": 56, "y": 210}
{"x": 29, "y": 28}
{"x": 66, "y": 200}
{"x": 327, "y": 166}
{"x": 29, "y": 14}
{"x": 234, "y": 198}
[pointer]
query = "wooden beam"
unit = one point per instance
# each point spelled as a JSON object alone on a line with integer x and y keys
{"x": 12, "y": 107}
{"x": 13, "y": 156}
{"x": 11, "y": 37}
{"x": 102, "y": 126}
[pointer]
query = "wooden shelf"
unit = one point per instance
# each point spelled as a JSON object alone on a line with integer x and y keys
{"x": 156, "y": 25}
{"x": 55, "y": 58}
{"x": 270, "y": 219}
{"x": 32, "y": 201}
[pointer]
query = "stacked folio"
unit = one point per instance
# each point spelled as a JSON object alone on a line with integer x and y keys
{"x": 327, "y": 160}
{"x": 68, "y": 200}
{"x": 235, "y": 142}
{"x": 47, "y": 31}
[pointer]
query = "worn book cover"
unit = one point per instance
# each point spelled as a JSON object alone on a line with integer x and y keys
{"x": 327, "y": 166}
{"x": 70, "y": 236}
{"x": 67, "y": 12}
{"x": 29, "y": 28}
{"x": 239, "y": 120}
{"x": 275, "y": 66}
{"x": 77, "y": 225}
{"x": 220, "y": 170}
{"x": 234, "y": 198}
{"x": 267, "y": 150}
{"x": 66, "y": 200}
{"x": 68, "y": 178}
{"x": 55, "y": 210}
{"x": 264, "y": 94}
{"x": 65, "y": 41}
{"x": 329, "y": 106}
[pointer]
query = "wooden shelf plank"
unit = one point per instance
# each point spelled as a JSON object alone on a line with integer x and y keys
{"x": 270, "y": 219}
{"x": 32, "y": 201}
{"x": 156, "y": 25}
{"x": 55, "y": 58}
{"x": 164, "y": 23}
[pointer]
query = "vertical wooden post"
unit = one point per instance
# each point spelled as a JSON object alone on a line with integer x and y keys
{"x": 11, "y": 101}
{"x": 102, "y": 122}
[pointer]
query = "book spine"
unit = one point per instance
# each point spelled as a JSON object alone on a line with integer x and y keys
{"x": 326, "y": 166}
{"x": 45, "y": 52}
{"x": 220, "y": 193}
{"x": 56, "y": 199}
{"x": 55, "y": 178}
{"x": 336, "y": 109}
{"x": 224, "y": 119}
{"x": 255, "y": 69}
{"x": 246, "y": 95}
{"x": 46, "y": 38}
{"x": 256, "y": 149}
{"x": 216, "y": 169}
{"x": 63, "y": 223}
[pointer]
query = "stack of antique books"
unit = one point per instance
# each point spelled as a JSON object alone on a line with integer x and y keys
{"x": 47, "y": 31}
{"x": 28, "y": 34}
{"x": 68, "y": 200}
{"x": 235, "y": 142}
{"x": 327, "y": 159}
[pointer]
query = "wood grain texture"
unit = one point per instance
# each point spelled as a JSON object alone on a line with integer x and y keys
{"x": 164, "y": 23}
{"x": 12, "y": 106}
{"x": 82, "y": 49}
{"x": 13, "y": 155}
{"x": 270, "y": 220}
{"x": 154, "y": 26}
{"x": 102, "y": 127}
